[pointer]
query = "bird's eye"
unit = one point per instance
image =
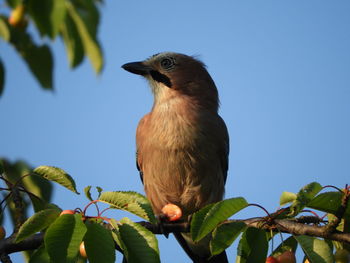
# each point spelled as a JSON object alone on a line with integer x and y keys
{"x": 167, "y": 63}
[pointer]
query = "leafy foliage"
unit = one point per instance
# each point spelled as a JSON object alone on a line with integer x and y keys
{"x": 36, "y": 223}
{"x": 75, "y": 22}
{"x": 252, "y": 247}
{"x": 56, "y": 175}
{"x": 129, "y": 201}
{"x": 140, "y": 244}
{"x": 317, "y": 250}
{"x": 63, "y": 238}
{"x": 97, "y": 234}
{"x": 64, "y": 233}
{"x": 203, "y": 223}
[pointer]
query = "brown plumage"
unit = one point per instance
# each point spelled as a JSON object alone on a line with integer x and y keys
{"x": 182, "y": 144}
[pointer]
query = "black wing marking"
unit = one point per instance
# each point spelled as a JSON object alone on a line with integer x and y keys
{"x": 138, "y": 167}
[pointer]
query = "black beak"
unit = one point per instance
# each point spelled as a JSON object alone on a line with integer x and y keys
{"x": 137, "y": 68}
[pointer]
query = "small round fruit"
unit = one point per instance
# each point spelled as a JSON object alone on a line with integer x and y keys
{"x": 82, "y": 250}
{"x": 271, "y": 259}
{"x": 342, "y": 256}
{"x": 67, "y": 212}
{"x": 2, "y": 232}
{"x": 16, "y": 18}
{"x": 287, "y": 257}
{"x": 172, "y": 212}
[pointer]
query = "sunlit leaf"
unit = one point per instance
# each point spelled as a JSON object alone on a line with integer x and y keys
{"x": 328, "y": 202}
{"x": 48, "y": 15}
{"x": 87, "y": 192}
{"x": 57, "y": 175}
{"x": 116, "y": 234}
{"x": 304, "y": 196}
{"x": 317, "y": 250}
{"x": 4, "y": 30}
{"x": 90, "y": 43}
{"x": 218, "y": 212}
{"x": 141, "y": 244}
{"x": 36, "y": 223}
{"x": 224, "y": 235}
{"x": 63, "y": 238}
{"x": 129, "y": 201}
{"x": 287, "y": 197}
{"x": 99, "y": 244}
{"x": 72, "y": 42}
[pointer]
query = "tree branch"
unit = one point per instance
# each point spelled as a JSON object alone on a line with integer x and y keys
{"x": 290, "y": 226}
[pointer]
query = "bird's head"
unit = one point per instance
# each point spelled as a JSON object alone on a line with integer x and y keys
{"x": 174, "y": 75}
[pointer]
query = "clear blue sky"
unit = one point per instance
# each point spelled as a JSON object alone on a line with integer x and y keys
{"x": 283, "y": 73}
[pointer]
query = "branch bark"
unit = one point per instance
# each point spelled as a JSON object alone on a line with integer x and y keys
{"x": 7, "y": 246}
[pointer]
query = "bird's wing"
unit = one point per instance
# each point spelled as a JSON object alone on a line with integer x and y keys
{"x": 138, "y": 166}
{"x": 141, "y": 132}
{"x": 225, "y": 148}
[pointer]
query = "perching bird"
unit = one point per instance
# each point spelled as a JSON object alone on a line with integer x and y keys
{"x": 182, "y": 144}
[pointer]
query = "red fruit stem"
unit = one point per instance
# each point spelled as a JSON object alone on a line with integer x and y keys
{"x": 87, "y": 206}
{"x": 104, "y": 210}
{"x": 261, "y": 207}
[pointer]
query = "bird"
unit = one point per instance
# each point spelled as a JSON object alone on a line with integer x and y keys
{"x": 182, "y": 144}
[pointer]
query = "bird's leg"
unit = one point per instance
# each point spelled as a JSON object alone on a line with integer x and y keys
{"x": 162, "y": 219}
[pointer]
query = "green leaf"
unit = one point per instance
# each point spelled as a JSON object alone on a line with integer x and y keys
{"x": 13, "y": 3}
{"x": 2, "y": 78}
{"x": 99, "y": 190}
{"x": 40, "y": 256}
{"x": 116, "y": 234}
{"x": 90, "y": 43}
{"x": 4, "y": 29}
{"x": 141, "y": 244}
{"x": 305, "y": 195}
{"x": 38, "y": 186}
{"x": 36, "y": 223}
{"x": 197, "y": 219}
{"x": 48, "y": 15}
{"x": 2, "y": 169}
{"x": 317, "y": 250}
{"x": 130, "y": 201}
{"x": 290, "y": 244}
{"x": 252, "y": 247}
{"x": 287, "y": 197}
{"x": 328, "y": 202}
{"x": 40, "y": 62}
{"x": 87, "y": 192}
{"x": 38, "y": 58}
{"x": 63, "y": 238}
{"x": 218, "y": 212}
{"x": 57, "y": 175}
{"x": 224, "y": 235}
{"x": 99, "y": 244}
{"x": 72, "y": 42}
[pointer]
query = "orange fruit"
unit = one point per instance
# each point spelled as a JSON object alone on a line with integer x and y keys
{"x": 16, "y": 18}
{"x": 82, "y": 250}
{"x": 172, "y": 212}
{"x": 2, "y": 232}
{"x": 287, "y": 257}
{"x": 271, "y": 259}
{"x": 67, "y": 212}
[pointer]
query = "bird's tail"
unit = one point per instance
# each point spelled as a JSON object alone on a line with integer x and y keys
{"x": 199, "y": 252}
